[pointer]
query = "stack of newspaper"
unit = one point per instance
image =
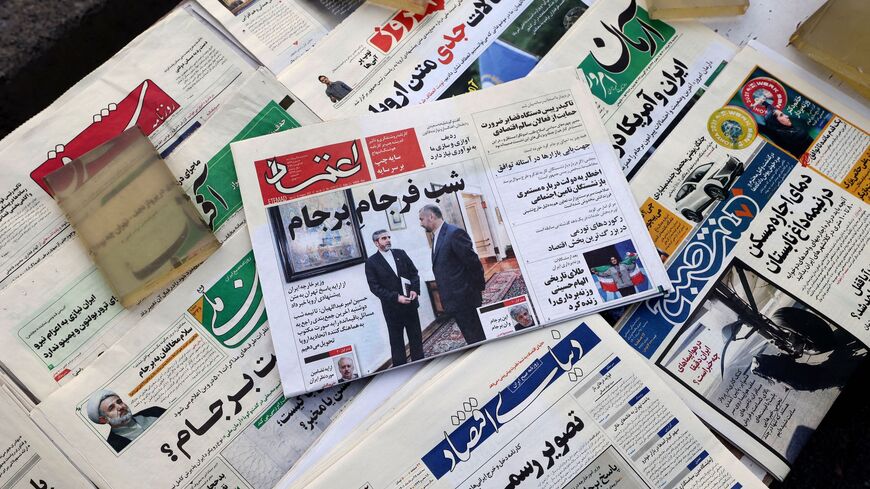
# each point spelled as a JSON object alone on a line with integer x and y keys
{"x": 710, "y": 202}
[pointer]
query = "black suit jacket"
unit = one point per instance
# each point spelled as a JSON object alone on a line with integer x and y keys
{"x": 457, "y": 269}
{"x": 119, "y": 442}
{"x": 384, "y": 283}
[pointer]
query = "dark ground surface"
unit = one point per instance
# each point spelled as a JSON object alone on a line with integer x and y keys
{"x": 46, "y": 46}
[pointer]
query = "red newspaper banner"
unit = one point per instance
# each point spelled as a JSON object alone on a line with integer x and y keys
{"x": 309, "y": 172}
{"x": 391, "y": 33}
{"x": 147, "y": 106}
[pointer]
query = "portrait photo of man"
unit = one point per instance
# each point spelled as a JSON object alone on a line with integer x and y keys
{"x": 335, "y": 90}
{"x": 346, "y": 370}
{"x": 393, "y": 278}
{"x": 522, "y": 317}
{"x": 106, "y": 407}
{"x": 458, "y": 272}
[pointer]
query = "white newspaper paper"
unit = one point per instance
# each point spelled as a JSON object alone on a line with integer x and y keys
{"x": 644, "y": 73}
{"x": 197, "y": 380}
{"x": 277, "y": 32}
{"x": 570, "y": 406}
{"x": 379, "y": 60}
{"x": 536, "y": 226}
{"x": 204, "y": 164}
{"x": 168, "y": 81}
{"x": 28, "y": 459}
{"x": 379, "y": 399}
{"x": 759, "y": 203}
{"x": 60, "y": 316}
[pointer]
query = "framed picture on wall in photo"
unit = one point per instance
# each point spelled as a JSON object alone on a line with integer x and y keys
{"x": 309, "y": 245}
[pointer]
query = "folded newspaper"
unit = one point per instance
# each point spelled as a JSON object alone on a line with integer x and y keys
{"x": 278, "y": 32}
{"x": 571, "y": 406}
{"x": 27, "y": 458}
{"x": 759, "y": 201}
{"x": 168, "y": 81}
{"x": 380, "y": 59}
{"x": 62, "y": 314}
{"x": 191, "y": 397}
{"x": 452, "y": 223}
{"x": 644, "y": 73}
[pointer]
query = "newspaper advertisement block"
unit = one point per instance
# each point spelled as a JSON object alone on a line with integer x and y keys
{"x": 278, "y": 32}
{"x": 168, "y": 81}
{"x": 27, "y": 458}
{"x": 458, "y": 222}
{"x": 644, "y": 73}
{"x": 570, "y": 406}
{"x": 191, "y": 396}
{"x": 63, "y": 314}
{"x": 391, "y": 59}
{"x": 759, "y": 203}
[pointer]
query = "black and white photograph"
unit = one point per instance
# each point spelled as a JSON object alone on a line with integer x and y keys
{"x": 750, "y": 347}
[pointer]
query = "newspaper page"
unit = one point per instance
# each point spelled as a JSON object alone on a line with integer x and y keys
{"x": 468, "y": 219}
{"x": 277, "y": 32}
{"x": 382, "y": 397}
{"x": 759, "y": 203}
{"x": 56, "y": 320}
{"x": 345, "y": 433}
{"x": 644, "y": 73}
{"x": 391, "y": 59}
{"x": 191, "y": 396}
{"x": 569, "y": 406}
{"x": 168, "y": 81}
{"x": 63, "y": 314}
{"x": 28, "y": 459}
{"x": 204, "y": 164}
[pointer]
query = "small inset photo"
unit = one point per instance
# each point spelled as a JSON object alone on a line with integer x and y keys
{"x": 106, "y": 407}
{"x": 617, "y": 270}
{"x": 707, "y": 183}
{"x": 346, "y": 368}
{"x": 332, "y": 367}
{"x": 507, "y": 317}
{"x": 236, "y": 6}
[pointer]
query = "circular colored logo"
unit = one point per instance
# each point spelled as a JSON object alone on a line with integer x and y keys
{"x": 758, "y": 93}
{"x": 732, "y": 127}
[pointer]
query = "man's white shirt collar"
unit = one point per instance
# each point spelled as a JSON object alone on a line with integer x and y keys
{"x": 435, "y": 236}
{"x": 131, "y": 430}
{"x": 391, "y": 260}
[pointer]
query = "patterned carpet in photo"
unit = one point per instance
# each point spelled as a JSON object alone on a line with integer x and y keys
{"x": 447, "y": 337}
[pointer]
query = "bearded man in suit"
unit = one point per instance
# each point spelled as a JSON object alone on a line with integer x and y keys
{"x": 393, "y": 278}
{"x": 457, "y": 271}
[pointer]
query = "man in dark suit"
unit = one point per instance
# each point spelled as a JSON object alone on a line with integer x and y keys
{"x": 457, "y": 271}
{"x": 393, "y": 278}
